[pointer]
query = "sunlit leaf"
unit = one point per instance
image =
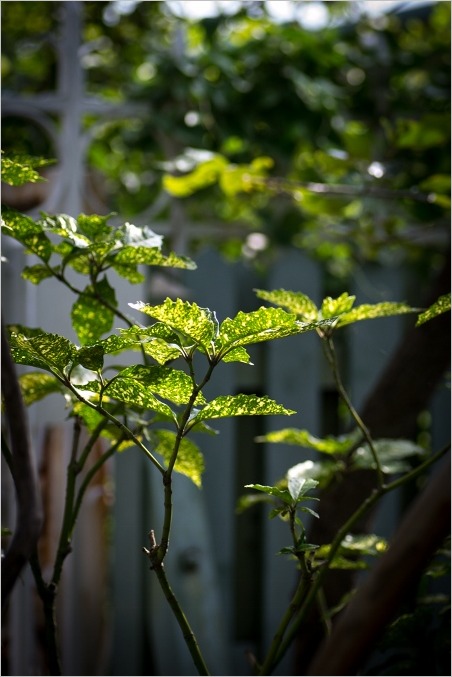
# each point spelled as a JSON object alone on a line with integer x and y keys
{"x": 371, "y": 311}
{"x": 91, "y": 357}
{"x": 294, "y": 302}
{"x": 151, "y": 257}
{"x": 189, "y": 462}
{"x": 298, "y": 486}
{"x": 281, "y": 494}
{"x": 442, "y": 305}
{"x": 240, "y": 405}
{"x": 158, "y": 341}
{"x": 263, "y": 324}
{"x": 90, "y": 317}
{"x": 197, "y": 324}
{"x": 16, "y": 170}
{"x": 36, "y": 273}
{"x": 171, "y": 384}
{"x": 43, "y": 350}
{"x": 303, "y": 438}
{"x": 333, "y": 307}
{"x": 239, "y": 354}
{"x": 29, "y": 233}
{"x": 133, "y": 392}
{"x": 36, "y": 385}
{"x": 322, "y": 471}
{"x": 65, "y": 226}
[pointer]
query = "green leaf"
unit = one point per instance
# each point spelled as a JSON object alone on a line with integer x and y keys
{"x": 322, "y": 471}
{"x": 30, "y": 234}
{"x": 371, "y": 311}
{"x": 43, "y": 350}
{"x": 276, "y": 492}
{"x": 299, "y": 486}
{"x": 189, "y": 462}
{"x": 391, "y": 453}
{"x": 239, "y": 354}
{"x": 91, "y": 357}
{"x": 135, "y": 393}
{"x": 264, "y": 324}
{"x": 333, "y": 307}
{"x": 94, "y": 227}
{"x": 129, "y": 272}
{"x": 441, "y": 305}
{"x": 90, "y": 318}
{"x": 139, "y": 255}
{"x": 311, "y": 512}
{"x": 171, "y": 384}
{"x": 159, "y": 341}
{"x": 36, "y": 385}
{"x": 65, "y": 226}
{"x": 36, "y": 273}
{"x": 303, "y": 438}
{"x": 240, "y": 405}
{"x": 16, "y": 170}
{"x": 198, "y": 325}
{"x": 294, "y": 302}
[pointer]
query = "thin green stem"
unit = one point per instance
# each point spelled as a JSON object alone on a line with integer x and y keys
{"x": 64, "y": 541}
{"x": 295, "y": 603}
{"x": 331, "y": 356}
{"x": 47, "y": 594}
{"x": 127, "y": 432}
{"x": 187, "y": 632}
{"x": 167, "y": 476}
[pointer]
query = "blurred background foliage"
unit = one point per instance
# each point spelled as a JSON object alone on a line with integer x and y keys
{"x": 360, "y": 101}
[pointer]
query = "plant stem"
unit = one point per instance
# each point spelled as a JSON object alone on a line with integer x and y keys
{"x": 187, "y": 632}
{"x": 274, "y": 650}
{"x": 47, "y": 594}
{"x": 331, "y": 356}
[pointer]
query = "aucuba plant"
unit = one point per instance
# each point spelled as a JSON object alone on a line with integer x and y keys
{"x": 155, "y": 403}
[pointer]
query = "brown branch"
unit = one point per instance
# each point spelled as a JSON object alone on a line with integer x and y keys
{"x": 29, "y": 512}
{"x": 421, "y": 532}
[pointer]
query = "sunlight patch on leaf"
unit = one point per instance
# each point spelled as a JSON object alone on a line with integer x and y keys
{"x": 90, "y": 318}
{"x": 141, "y": 255}
{"x": 18, "y": 169}
{"x": 133, "y": 392}
{"x": 197, "y": 324}
{"x": 240, "y": 405}
{"x": 333, "y": 307}
{"x": 43, "y": 350}
{"x": 294, "y": 302}
{"x": 171, "y": 384}
{"x": 264, "y": 324}
{"x": 371, "y": 311}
